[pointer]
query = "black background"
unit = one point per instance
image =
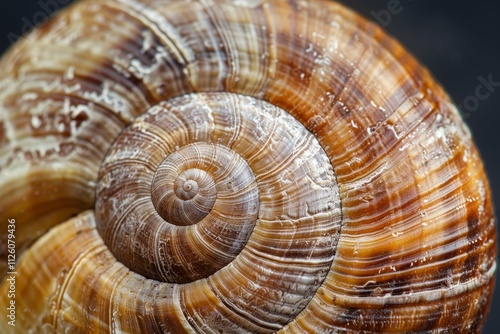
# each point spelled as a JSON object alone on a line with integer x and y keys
{"x": 457, "y": 40}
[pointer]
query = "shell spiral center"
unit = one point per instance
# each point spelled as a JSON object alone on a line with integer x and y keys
{"x": 204, "y": 179}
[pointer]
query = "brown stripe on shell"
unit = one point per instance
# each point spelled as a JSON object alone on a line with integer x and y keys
{"x": 413, "y": 191}
{"x": 3, "y": 136}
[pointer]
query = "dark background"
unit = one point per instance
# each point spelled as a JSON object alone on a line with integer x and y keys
{"x": 457, "y": 40}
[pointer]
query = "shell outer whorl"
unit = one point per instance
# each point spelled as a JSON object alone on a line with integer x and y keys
{"x": 213, "y": 166}
{"x": 238, "y": 166}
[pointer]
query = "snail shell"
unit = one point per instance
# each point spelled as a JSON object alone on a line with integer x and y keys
{"x": 236, "y": 166}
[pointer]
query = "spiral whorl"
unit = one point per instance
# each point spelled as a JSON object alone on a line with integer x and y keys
{"x": 185, "y": 199}
{"x": 198, "y": 163}
{"x": 239, "y": 167}
{"x": 187, "y": 184}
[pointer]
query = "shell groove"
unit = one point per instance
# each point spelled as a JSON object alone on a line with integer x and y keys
{"x": 368, "y": 211}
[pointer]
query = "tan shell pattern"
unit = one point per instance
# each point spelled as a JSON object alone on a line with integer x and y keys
{"x": 232, "y": 166}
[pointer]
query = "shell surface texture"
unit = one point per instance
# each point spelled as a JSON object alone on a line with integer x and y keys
{"x": 235, "y": 166}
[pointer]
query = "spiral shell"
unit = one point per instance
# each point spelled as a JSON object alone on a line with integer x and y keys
{"x": 236, "y": 166}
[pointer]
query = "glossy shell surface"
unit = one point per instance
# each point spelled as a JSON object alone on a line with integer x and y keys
{"x": 221, "y": 166}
